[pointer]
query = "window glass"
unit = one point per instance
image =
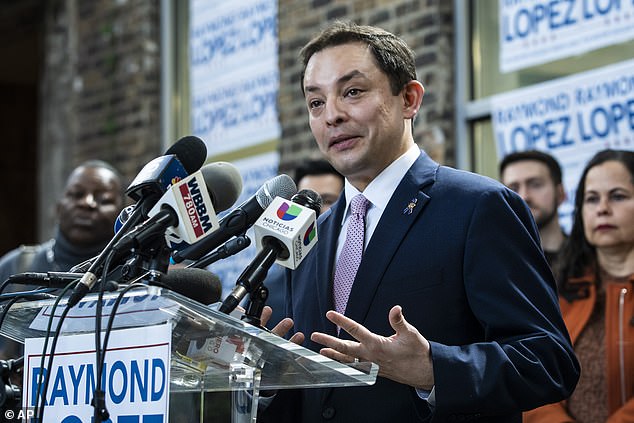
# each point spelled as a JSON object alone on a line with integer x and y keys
{"x": 484, "y": 149}
{"x": 487, "y": 78}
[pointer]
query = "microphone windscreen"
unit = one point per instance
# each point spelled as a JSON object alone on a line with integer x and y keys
{"x": 197, "y": 284}
{"x": 279, "y": 186}
{"x": 191, "y": 151}
{"x": 224, "y": 184}
{"x": 308, "y": 198}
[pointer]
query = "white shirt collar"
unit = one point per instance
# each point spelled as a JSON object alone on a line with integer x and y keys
{"x": 380, "y": 190}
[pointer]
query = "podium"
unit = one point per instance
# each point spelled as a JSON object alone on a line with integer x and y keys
{"x": 210, "y": 351}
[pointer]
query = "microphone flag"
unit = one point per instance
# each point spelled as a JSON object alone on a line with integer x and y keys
{"x": 291, "y": 224}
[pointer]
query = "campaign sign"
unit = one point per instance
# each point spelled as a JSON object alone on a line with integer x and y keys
{"x": 234, "y": 75}
{"x": 533, "y": 32}
{"x": 571, "y": 118}
{"x": 135, "y": 379}
{"x": 135, "y": 309}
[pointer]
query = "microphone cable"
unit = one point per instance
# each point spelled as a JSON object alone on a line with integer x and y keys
{"x": 99, "y": 396}
{"x": 39, "y": 411}
{"x": 110, "y": 324}
{"x": 6, "y": 283}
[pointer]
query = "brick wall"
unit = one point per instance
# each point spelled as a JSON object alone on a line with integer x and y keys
{"x": 427, "y": 28}
{"x": 100, "y": 91}
{"x": 100, "y": 87}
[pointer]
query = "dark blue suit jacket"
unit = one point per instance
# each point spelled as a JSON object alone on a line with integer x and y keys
{"x": 467, "y": 268}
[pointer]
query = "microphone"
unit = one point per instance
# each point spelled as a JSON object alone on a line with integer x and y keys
{"x": 290, "y": 226}
{"x": 197, "y": 284}
{"x": 183, "y": 158}
{"x": 285, "y": 233}
{"x": 229, "y": 248}
{"x": 123, "y": 217}
{"x": 187, "y": 154}
{"x": 224, "y": 185}
{"x": 186, "y": 208}
{"x": 241, "y": 218}
{"x": 48, "y": 278}
{"x": 52, "y": 279}
{"x": 227, "y": 183}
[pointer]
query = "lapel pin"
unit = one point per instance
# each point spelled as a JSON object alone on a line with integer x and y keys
{"x": 410, "y": 207}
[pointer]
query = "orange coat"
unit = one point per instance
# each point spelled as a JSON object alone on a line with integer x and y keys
{"x": 619, "y": 331}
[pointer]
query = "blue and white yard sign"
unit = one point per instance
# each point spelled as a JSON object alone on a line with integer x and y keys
{"x": 135, "y": 378}
{"x": 533, "y": 32}
{"x": 571, "y": 118}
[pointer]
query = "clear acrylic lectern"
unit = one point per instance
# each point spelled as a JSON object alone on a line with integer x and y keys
{"x": 211, "y": 351}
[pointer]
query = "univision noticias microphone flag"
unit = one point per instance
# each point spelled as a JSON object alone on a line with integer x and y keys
{"x": 290, "y": 223}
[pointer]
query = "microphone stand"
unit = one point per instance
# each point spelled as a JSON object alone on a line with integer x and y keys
{"x": 255, "y": 305}
{"x": 251, "y": 278}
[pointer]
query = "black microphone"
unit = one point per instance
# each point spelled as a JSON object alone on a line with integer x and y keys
{"x": 183, "y": 158}
{"x": 229, "y": 248}
{"x": 284, "y": 233}
{"x": 48, "y": 278}
{"x": 241, "y": 218}
{"x": 308, "y": 198}
{"x": 197, "y": 284}
{"x": 52, "y": 280}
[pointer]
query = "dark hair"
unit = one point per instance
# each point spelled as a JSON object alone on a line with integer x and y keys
{"x": 393, "y": 56}
{"x": 577, "y": 254}
{"x": 315, "y": 167}
{"x": 535, "y": 155}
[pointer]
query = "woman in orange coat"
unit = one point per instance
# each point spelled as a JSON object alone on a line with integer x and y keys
{"x": 596, "y": 290}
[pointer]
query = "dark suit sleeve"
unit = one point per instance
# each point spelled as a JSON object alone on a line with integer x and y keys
{"x": 526, "y": 358}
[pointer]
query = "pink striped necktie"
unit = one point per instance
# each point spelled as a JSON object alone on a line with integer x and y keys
{"x": 350, "y": 257}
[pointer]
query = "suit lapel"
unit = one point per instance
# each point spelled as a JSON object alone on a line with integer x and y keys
{"x": 329, "y": 228}
{"x": 403, "y": 209}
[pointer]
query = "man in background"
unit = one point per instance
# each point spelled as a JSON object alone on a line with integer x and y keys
{"x": 319, "y": 176}
{"x": 86, "y": 212}
{"x": 536, "y": 177}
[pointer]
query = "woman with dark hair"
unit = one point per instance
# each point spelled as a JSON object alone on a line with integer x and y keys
{"x": 596, "y": 289}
